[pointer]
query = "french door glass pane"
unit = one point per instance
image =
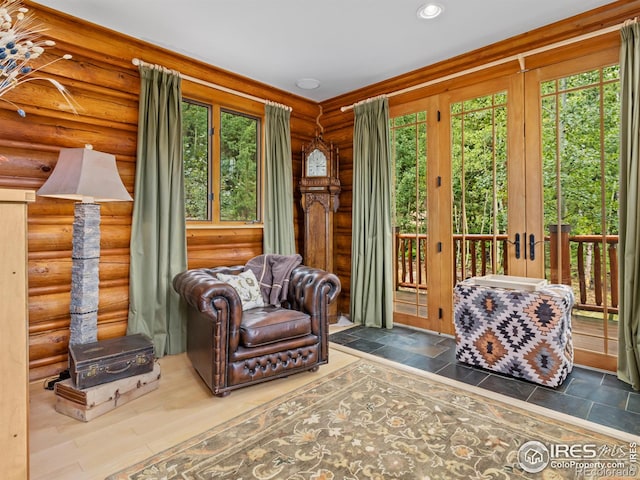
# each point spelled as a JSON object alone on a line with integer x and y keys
{"x": 409, "y": 149}
{"x": 479, "y": 184}
{"x": 580, "y": 149}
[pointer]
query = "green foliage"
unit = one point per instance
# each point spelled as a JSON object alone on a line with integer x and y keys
{"x": 479, "y": 165}
{"x": 580, "y": 142}
{"x": 409, "y": 140}
{"x": 238, "y": 167}
{"x": 580, "y": 127}
{"x": 195, "y": 153}
{"x": 236, "y": 182}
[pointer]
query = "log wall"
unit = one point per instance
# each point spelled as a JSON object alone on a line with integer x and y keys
{"x": 105, "y": 85}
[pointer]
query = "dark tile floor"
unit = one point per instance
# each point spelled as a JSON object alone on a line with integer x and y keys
{"x": 587, "y": 394}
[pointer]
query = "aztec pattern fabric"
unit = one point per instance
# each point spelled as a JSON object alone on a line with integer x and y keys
{"x": 519, "y": 333}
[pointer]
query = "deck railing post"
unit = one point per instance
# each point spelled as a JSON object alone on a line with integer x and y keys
{"x": 560, "y": 247}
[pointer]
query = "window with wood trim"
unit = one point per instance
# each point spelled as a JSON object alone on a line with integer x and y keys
{"x": 221, "y": 154}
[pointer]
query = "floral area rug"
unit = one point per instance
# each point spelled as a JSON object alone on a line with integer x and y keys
{"x": 375, "y": 422}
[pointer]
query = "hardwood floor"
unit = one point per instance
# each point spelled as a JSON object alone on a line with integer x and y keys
{"x": 64, "y": 448}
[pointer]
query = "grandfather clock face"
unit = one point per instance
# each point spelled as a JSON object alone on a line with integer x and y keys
{"x": 316, "y": 164}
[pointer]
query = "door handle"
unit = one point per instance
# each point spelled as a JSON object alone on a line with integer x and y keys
{"x": 532, "y": 247}
{"x": 516, "y": 244}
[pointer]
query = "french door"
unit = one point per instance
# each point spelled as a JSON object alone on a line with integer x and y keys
{"x": 576, "y": 147}
{"x": 492, "y": 230}
{"x": 408, "y": 129}
{"x": 464, "y": 195}
{"x": 513, "y": 176}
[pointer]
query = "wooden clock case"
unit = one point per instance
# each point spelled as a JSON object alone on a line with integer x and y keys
{"x": 320, "y": 200}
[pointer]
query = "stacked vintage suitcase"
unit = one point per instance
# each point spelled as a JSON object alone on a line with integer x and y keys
{"x": 105, "y": 375}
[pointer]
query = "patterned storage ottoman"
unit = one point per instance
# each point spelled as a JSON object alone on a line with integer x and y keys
{"x": 526, "y": 334}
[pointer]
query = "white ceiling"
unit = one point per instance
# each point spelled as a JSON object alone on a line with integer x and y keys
{"x": 345, "y": 44}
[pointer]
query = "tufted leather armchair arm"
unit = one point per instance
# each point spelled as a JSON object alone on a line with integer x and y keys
{"x": 310, "y": 287}
{"x": 201, "y": 289}
{"x": 311, "y": 291}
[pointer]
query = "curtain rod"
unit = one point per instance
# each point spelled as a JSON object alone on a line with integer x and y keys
{"x": 137, "y": 62}
{"x": 519, "y": 57}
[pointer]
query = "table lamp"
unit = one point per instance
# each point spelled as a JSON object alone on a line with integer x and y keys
{"x": 89, "y": 177}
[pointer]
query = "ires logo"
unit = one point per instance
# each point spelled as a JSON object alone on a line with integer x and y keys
{"x": 534, "y": 456}
{"x": 561, "y": 451}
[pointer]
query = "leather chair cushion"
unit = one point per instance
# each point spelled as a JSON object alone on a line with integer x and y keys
{"x": 265, "y": 325}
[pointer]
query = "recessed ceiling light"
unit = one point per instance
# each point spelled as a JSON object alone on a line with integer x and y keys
{"x": 430, "y": 10}
{"x": 308, "y": 83}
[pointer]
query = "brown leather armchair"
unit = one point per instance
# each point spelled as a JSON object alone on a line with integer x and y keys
{"x": 231, "y": 349}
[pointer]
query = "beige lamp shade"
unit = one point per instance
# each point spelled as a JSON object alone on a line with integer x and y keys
{"x": 85, "y": 175}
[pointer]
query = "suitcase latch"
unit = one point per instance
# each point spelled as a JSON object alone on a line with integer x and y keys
{"x": 142, "y": 359}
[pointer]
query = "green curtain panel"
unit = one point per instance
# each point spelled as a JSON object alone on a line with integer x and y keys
{"x": 372, "y": 240}
{"x": 629, "y": 321}
{"x": 278, "y": 211}
{"x": 158, "y": 239}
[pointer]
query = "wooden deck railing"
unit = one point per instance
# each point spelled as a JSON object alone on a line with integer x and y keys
{"x": 592, "y": 282}
{"x": 410, "y": 260}
{"x": 474, "y": 257}
{"x": 584, "y": 272}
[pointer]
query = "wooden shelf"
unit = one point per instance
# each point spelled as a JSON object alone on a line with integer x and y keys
{"x": 14, "y": 343}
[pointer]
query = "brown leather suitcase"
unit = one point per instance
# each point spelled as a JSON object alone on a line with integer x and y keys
{"x": 103, "y": 361}
{"x": 89, "y": 403}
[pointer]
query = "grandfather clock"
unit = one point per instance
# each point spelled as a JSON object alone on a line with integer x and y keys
{"x": 320, "y": 190}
